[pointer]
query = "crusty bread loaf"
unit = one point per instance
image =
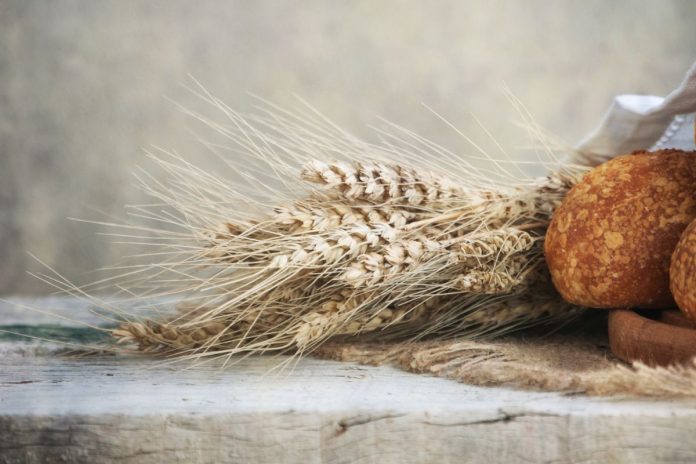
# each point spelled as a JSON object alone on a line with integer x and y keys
{"x": 682, "y": 272}
{"x": 609, "y": 243}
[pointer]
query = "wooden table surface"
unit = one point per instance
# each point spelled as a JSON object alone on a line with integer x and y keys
{"x": 55, "y": 408}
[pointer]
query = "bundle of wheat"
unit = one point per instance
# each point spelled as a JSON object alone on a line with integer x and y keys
{"x": 376, "y": 243}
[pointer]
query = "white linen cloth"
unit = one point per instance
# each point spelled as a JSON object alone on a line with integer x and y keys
{"x": 635, "y": 122}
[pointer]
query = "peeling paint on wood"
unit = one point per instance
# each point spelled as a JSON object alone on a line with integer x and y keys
{"x": 113, "y": 409}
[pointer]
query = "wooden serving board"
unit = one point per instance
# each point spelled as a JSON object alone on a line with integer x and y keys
{"x": 676, "y": 317}
{"x": 670, "y": 340}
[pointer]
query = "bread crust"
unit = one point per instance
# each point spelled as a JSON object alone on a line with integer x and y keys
{"x": 609, "y": 244}
{"x": 682, "y": 272}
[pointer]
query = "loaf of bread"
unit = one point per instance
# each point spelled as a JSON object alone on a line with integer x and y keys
{"x": 682, "y": 272}
{"x": 609, "y": 244}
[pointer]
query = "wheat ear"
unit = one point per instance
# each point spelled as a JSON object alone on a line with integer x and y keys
{"x": 377, "y": 242}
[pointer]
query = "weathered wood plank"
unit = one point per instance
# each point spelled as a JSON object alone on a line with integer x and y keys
{"x": 111, "y": 409}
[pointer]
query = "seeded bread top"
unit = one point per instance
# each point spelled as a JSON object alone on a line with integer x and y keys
{"x": 683, "y": 272}
{"x": 609, "y": 244}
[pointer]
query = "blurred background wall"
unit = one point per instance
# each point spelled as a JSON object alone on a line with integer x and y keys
{"x": 84, "y": 86}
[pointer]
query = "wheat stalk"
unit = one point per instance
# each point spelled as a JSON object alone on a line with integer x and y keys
{"x": 382, "y": 183}
{"x": 376, "y": 243}
{"x": 366, "y": 269}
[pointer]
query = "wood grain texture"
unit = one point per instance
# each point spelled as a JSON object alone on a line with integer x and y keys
{"x": 676, "y": 317}
{"x": 633, "y": 337}
{"x": 112, "y": 409}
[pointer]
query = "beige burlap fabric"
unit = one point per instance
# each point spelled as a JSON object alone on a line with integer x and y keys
{"x": 572, "y": 362}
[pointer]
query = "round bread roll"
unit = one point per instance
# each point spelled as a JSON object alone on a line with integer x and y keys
{"x": 609, "y": 243}
{"x": 682, "y": 272}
